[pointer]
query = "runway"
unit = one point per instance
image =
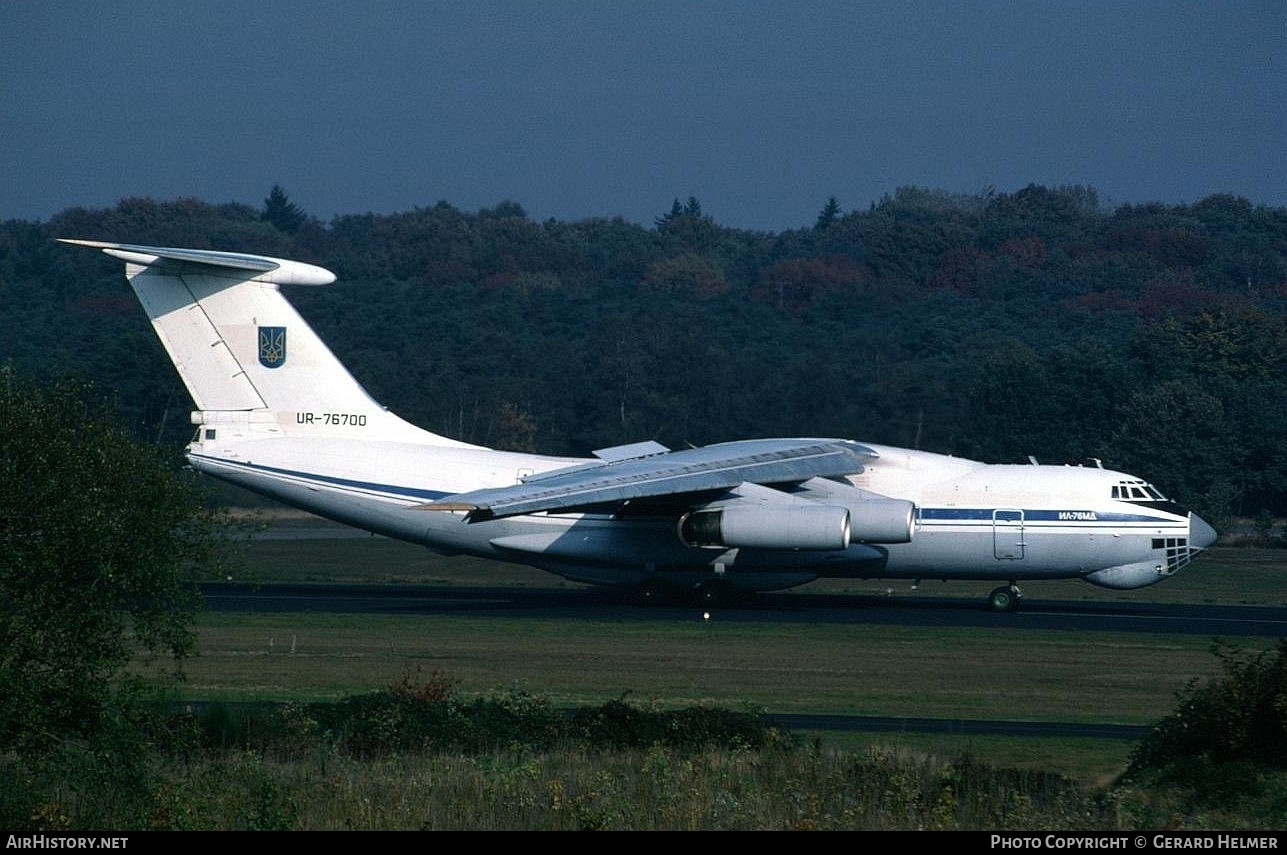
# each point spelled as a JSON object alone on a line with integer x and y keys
{"x": 1216, "y": 621}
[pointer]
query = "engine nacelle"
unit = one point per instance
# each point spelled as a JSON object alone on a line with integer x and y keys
{"x": 881, "y": 521}
{"x": 768, "y": 527}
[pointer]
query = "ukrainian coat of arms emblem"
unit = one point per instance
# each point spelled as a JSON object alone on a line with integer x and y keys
{"x": 272, "y": 346}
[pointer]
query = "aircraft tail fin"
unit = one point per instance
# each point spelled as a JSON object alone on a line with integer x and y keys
{"x": 242, "y": 350}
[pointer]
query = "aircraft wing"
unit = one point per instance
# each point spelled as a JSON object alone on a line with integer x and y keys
{"x": 668, "y": 473}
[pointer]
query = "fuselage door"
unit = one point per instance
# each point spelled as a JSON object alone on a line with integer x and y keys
{"x": 1007, "y": 533}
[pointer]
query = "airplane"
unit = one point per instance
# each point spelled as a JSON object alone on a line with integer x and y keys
{"x": 277, "y": 413}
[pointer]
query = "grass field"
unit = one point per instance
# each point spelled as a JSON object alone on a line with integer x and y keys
{"x": 975, "y": 673}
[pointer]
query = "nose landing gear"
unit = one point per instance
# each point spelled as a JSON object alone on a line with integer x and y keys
{"x": 1005, "y": 598}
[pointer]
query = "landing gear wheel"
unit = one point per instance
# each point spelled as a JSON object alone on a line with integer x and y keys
{"x": 1004, "y": 599}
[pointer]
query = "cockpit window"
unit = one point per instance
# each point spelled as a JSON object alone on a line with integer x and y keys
{"x": 1137, "y": 491}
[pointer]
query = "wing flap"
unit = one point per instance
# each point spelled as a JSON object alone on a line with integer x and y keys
{"x": 694, "y": 470}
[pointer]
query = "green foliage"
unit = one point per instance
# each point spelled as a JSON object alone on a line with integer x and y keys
{"x": 617, "y": 724}
{"x": 416, "y": 755}
{"x": 687, "y": 228}
{"x": 282, "y": 212}
{"x": 999, "y": 325}
{"x": 829, "y": 213}
{"x": 97, "y": 537}
{"x": 779, "y": 787}
{"x": 1225, "y": 727}
{"x": 427, "y": 716}
{"x": 436, "y": 688}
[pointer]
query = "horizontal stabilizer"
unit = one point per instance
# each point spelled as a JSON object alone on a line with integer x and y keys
{"x": 279, "y": 270}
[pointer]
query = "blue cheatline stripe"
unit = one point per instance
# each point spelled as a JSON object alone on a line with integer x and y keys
{"x": 409, "y": 493}
{"x": 1070, "y": 515}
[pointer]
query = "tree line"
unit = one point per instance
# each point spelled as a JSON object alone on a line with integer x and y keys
{"x": 995, "y": 325}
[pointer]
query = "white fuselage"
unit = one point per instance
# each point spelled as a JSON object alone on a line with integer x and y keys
{"x": 972, "y": 520}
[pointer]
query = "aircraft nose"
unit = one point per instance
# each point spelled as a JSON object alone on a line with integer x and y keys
{"x": 1201, "y": 535}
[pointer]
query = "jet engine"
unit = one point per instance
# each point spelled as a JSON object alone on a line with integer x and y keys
{"x": 768, "y": 527}
{"x": 881, "y": 521}
{"x": 804, "y": 526}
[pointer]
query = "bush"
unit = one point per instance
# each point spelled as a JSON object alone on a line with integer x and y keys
{"x": 1240, "y": 717}
{"x": 423, "y": 715}
{"x": 99, "y": 536}
{"x": 617, "y": 724}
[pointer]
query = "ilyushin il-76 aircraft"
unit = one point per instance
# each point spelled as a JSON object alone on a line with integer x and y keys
{"x": 278, "y": 414}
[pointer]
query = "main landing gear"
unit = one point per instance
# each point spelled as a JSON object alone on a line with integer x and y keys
{"x": 711, "y": 592}
{"x": 654, "y": 592}
{"x": 714, "y": 592}
{"x": 1005, "y": 598}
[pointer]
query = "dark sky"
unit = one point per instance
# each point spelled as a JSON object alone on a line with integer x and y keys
{"x": 578, "y": 109}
